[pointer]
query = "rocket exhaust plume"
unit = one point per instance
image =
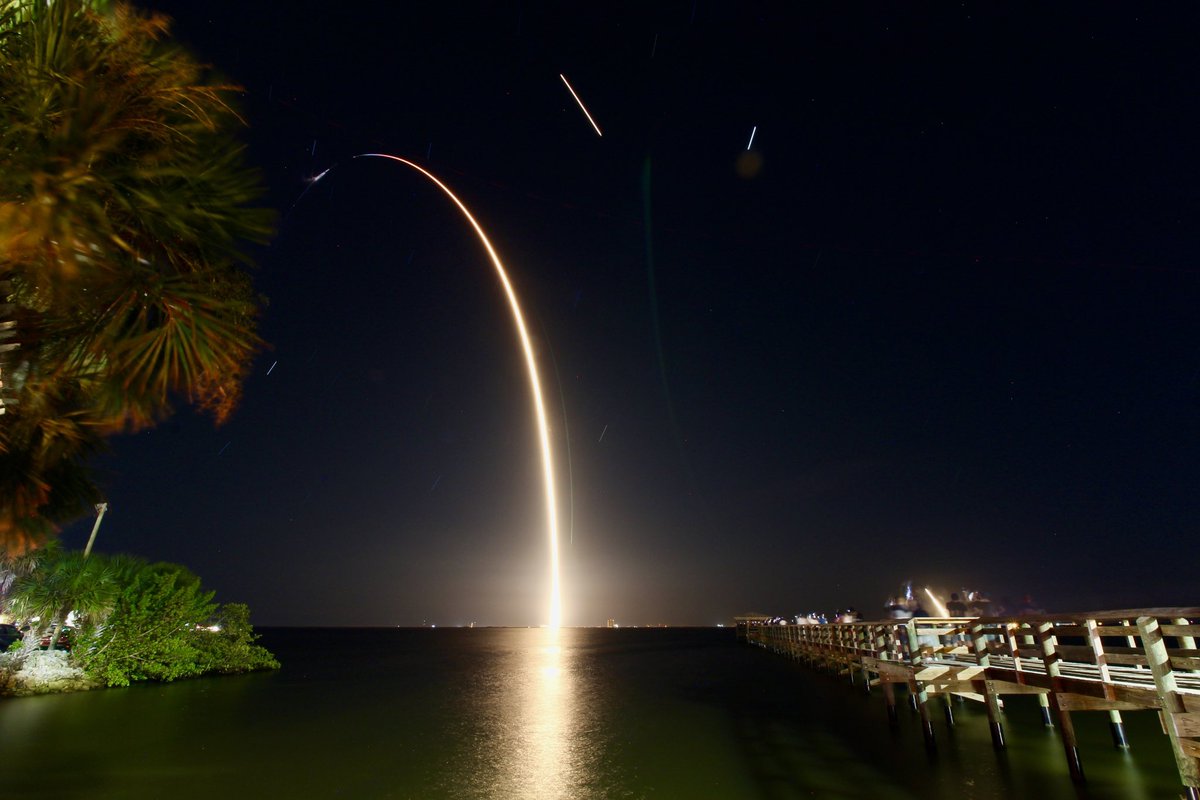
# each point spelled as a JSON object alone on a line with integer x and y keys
{"x": 535, "y": 385}
{"x": 937, "y": 604}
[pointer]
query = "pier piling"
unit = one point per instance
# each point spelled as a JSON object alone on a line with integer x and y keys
{"x": 1111, "y": 661}
{"x": 1117, "y": 727}
{"x": 889, "y": 694}
{"x": 1044, "y": 702}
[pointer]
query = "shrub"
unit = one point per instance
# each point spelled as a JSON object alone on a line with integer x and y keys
{"x": 151, "y": 632}
{"x": 232, "y": 647}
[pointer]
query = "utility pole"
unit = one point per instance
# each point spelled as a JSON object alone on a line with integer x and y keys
{"x": 100, "y": 509}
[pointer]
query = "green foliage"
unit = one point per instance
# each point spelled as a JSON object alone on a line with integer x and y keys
{"x": 124, "y": 203}
{"x": 232, "y": 648}
{"x": 65, "y": 581}
{"x": 157, "y": 630}
{"x": 150, "y": 634}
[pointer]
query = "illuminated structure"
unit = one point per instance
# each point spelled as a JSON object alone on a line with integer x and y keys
{"x": 535, "y": 385}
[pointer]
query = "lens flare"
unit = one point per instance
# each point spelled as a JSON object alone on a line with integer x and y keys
{"x": 535, "y": 385}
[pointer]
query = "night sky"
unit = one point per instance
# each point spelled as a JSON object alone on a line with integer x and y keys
{"x": 939, "y": 323}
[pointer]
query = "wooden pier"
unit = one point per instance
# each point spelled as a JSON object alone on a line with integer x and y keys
{"x": 1110, "y": 661}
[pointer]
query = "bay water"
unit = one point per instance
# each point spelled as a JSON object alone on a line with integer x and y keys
{"x": 510, "y": 713}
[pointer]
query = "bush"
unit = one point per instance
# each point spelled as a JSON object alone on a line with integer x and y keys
{"x": 150, "y": 634}
{"x": 158, "y": 631}
{"x": 231, "y": 648}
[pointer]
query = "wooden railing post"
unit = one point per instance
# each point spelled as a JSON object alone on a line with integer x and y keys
{"x": 1051, "y": 657}
{"x": 918, "y": 687}
{"x": 1115, "y": 724}
{"x": 1187, "y": 758}
{"x": 983, "y": 659}
{"x": 865, "y": 649}
{"x": 1015, "y": 650}
{"x": 846, "y": 648}
{"x": 885, "y": 634}
{"x": 1186, "y": 642}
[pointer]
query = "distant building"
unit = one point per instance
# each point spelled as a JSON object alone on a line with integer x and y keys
{"x": 612, "y": 623}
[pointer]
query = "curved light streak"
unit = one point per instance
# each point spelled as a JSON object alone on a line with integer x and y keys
{"x": 535, "y": 384}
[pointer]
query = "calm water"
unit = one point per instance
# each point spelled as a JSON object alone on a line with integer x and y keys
{"x": 517, "y": 713}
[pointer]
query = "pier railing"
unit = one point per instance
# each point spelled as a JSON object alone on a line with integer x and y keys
{"x": 1112, "y": 661}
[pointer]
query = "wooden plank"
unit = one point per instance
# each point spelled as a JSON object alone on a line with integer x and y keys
{"x": 976, "y": 696}
{"x": 953, "y": 649}
{"x": 1008, "y": 687}
{"x": 1070, "y": 630}
{"x": 1080, "y": 654}
{"x": 1117, "y": 650}
{"x": 1181, "y": 630}
{"x": 923, "y": 631}
{"x": 1190, "y": 747}
{"x": 1079, "y": 702}
{"x": 1036, "y": 679}
{"x": 1185, "y": 663}
{"x": 993, "y": 630}
{"x": 1116, "y": 631}
{"x": 929, "y": 673}
{"x": 960, "y": 688}
{"x": 1131, "y": 614}
{"x": 1185, "y": 723}
{"x": 892, "y": 669}
{"x": 1142, "y": 697}
{"x": 969, "y": 673}
{"x": 1117, "y": 658}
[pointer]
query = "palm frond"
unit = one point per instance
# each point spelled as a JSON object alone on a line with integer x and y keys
{"x": 124, "y": 210}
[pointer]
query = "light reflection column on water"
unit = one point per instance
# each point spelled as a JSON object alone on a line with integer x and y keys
{"x": 534, "y": 381}
{"x": 535, "y": 749}
{"x": 549, "y": 720}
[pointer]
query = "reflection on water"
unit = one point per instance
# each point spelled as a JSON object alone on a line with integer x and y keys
{"x": 531, "y": 727}
{"x": 529, "y": 713}
{"x": 537, "y": 727}
{"x": 536, "y": 760}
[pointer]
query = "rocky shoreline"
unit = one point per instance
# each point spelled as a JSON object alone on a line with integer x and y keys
{"x": 42, "y": 672}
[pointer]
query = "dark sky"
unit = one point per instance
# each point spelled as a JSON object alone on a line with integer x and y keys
{"x": 939, "y": 324}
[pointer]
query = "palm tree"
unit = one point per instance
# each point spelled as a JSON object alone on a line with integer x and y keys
{"x": 14, "y": 567}
{"x": 124, "y": 208}
{"x": 64, "y": 582}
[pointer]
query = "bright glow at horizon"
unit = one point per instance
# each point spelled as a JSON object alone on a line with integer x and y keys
{"x": 937, "y": 604}
{"x": 535, "y": 384}
{"x": 581, "y": 106}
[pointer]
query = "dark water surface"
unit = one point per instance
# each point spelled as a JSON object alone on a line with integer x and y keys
{"x": 526, "y": 713}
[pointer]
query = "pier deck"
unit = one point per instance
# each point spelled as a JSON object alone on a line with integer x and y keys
{"x": 1112, "y": 661}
